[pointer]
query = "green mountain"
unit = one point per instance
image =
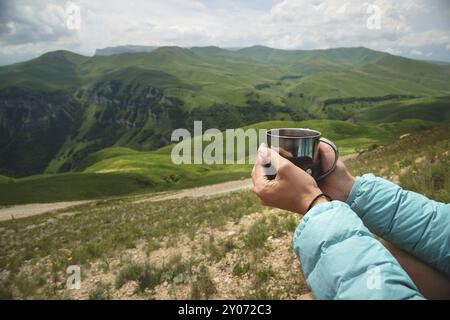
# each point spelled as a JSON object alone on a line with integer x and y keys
{"x": 60, "y": 108}
{"x": 314, "y": 61}
{"x": 109, "y": 51}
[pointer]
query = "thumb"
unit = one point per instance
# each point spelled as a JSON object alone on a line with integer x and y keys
{"x": 326, "y": 155}
{"x": 268, "y": 156}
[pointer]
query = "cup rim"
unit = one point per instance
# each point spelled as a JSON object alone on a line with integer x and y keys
{"x": 318, "y": 134}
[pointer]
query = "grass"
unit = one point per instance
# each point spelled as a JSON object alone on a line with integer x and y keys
{"x": 108, "y": 234}
{"x": 380, "y": 95}
{"x": 122, "y": 171}
{"x": 215, "y": 251}
{"x": 419, "y": 162}
{"x": 112, "y": 226}
{"x": 101, "y": 232}
{"x": 241, "y": 268}
{"x": 257, "y": 235}
{"x": 70, "y": 186}
{"x": 102, "y": 291}
{"x": 146, "y": 276}
{"x": 203, "y": 286}
{"x": 432, "y": 109}
{"x": 4, "y": 179}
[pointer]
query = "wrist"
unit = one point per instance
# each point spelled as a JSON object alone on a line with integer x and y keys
{"x": 320, "y": 201}
{"x": 339, "y": 185}
{"x": 312, "y": 199}
{"x": 347, "y": 187}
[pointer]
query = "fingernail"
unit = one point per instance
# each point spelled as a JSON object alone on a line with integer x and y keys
{"x": 263, "y": 148}
{"x": 263, "y": 153}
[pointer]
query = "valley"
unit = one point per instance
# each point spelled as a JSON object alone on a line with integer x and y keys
{"x": 87, "y": 179}
{"x": 76, "y": 128}
{"x": 58, "y": 109}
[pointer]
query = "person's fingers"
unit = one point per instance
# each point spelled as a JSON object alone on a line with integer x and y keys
{"x": 263, "y": 157}
{"x": 278, "y": 163}
{"x": 259, "y": 176}
{"x": 268, "y": 156}
{"x": 325, "y": 150}
{"x": 326, "y": 156}
{"x": 258, "y": 173}
{"x": 284, "y": 153}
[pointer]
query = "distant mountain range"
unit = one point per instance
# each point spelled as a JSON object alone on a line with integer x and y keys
{"x": 57, "y": 109}
{"x": 109, "y": 51}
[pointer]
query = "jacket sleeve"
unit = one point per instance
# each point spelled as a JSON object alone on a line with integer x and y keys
{"x": 407, "y": 219}
{"x": 341, "y": 259}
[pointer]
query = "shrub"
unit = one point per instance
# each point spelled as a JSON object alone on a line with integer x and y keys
{"x": 257, "y": 235}
{"x": 241, "y": 268}
{"x": 143, "y": 274}
{"x": 100, "y": 292}
{"x": 203, "y": 286}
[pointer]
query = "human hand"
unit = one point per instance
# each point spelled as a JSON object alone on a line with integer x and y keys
{"x": 292, "y": 189}
{"x": 339, "y": 183}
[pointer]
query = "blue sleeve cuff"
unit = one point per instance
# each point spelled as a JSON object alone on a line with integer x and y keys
{"x": 328, "y": 208}
{"x": 357, "y": 187}
{"x": 316, "y": 210}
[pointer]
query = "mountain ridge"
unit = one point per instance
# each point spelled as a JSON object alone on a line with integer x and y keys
{"x": 137, "y": 99}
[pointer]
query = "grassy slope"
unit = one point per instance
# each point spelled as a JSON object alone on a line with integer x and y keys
{"x": 221, "y": 76}
{"x": 110, "y": 239}
{"x": 419, "y": 162}
{"x": 431, "y": 108}
{"x": 119, "y": 171}
{"x": 4, "y": 179}
{"x": 52, "y": 71}
{"x": 389, "y": 75}
{"x": 313, "y": 61}
{"x": 213, "y": 76}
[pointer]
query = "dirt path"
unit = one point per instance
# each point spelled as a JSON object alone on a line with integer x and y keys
{"x": 205, "y": 191}
{"x": 28, "y": 210}
{"x": 215, "y": 189}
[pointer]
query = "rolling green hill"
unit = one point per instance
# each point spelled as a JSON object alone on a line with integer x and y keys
{"x": 58, "y": 109}
{"x": 433, "y": 109}
{"x": 52, "y": 71}
{"x": 314, "y": 61}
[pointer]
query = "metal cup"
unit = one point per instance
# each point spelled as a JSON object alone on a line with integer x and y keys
{"x": 301, "y": 147}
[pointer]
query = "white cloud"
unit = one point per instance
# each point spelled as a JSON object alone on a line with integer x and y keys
{"x": 406, "y": 25}
{"x": 392, "y": 51}
{"x": 416, "y": 52}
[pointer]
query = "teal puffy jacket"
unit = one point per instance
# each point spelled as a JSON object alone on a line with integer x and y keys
{"x": 342, "y": 260}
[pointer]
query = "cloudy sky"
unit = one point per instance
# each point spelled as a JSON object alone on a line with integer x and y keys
{"x": 413, "y": 28}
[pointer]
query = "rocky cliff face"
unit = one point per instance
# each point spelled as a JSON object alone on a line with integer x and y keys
{"x": 140, "y": 117}
{"x": 33, "y": 127}
{"x": 60, "y": 129}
